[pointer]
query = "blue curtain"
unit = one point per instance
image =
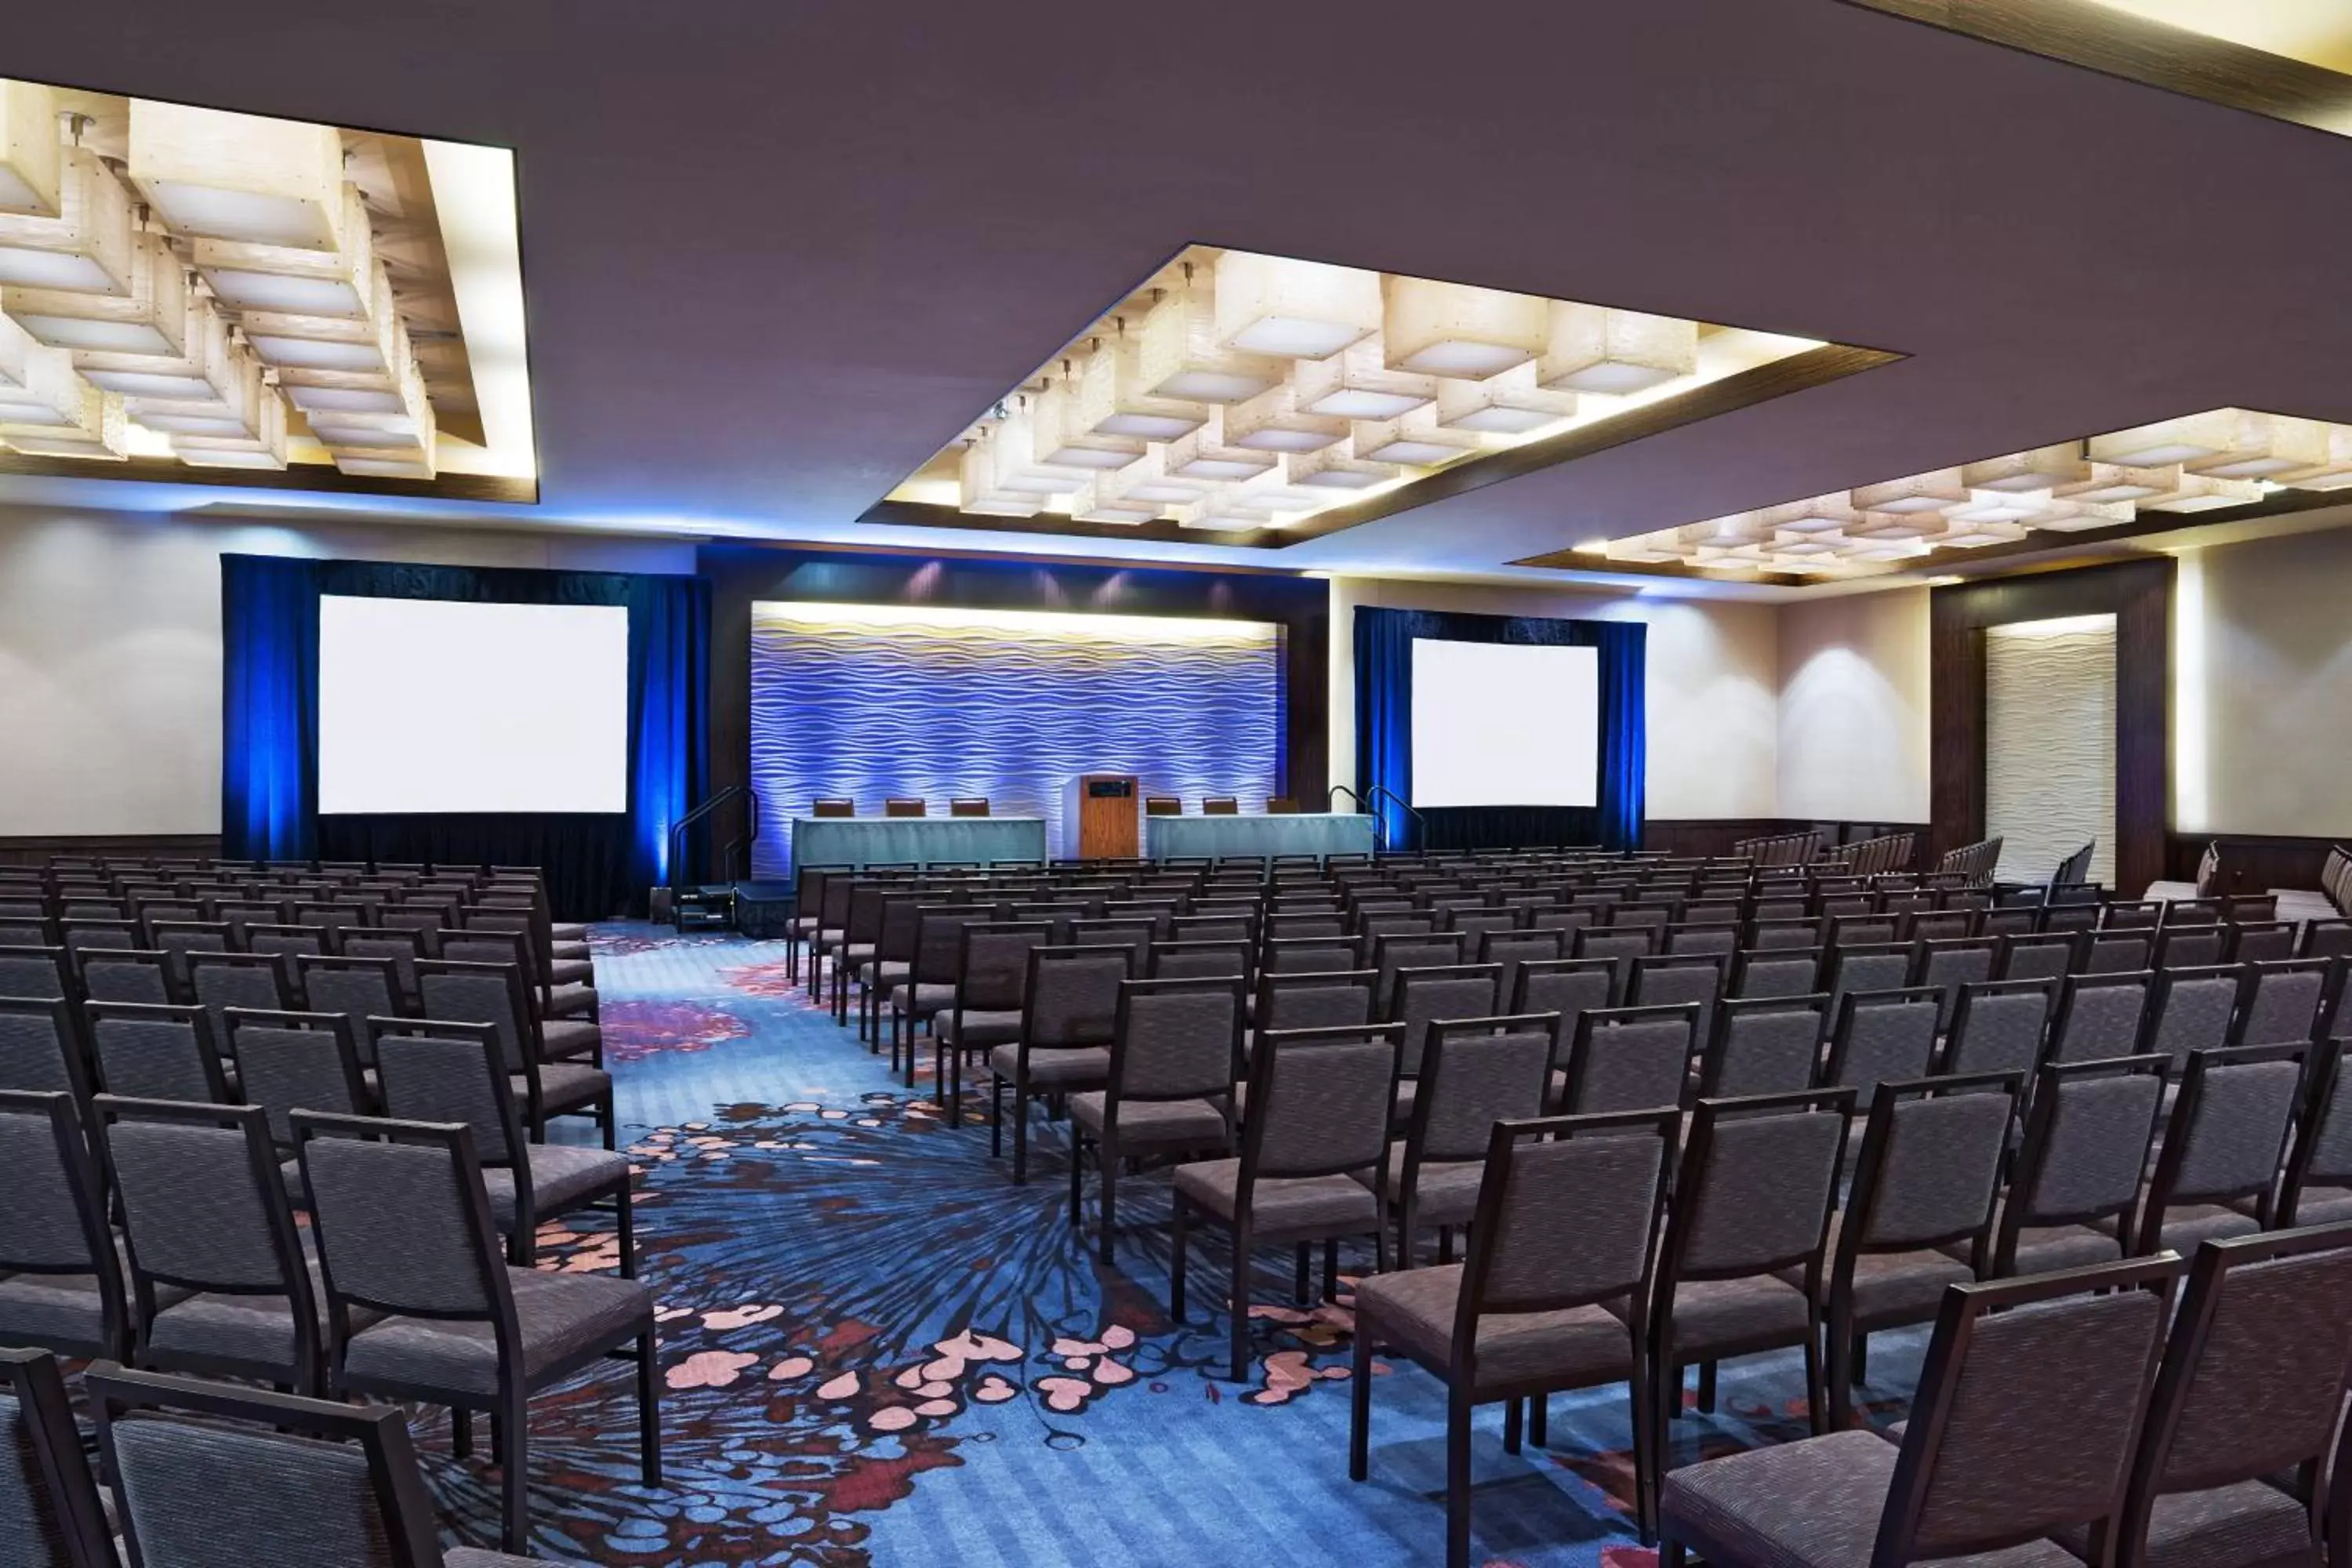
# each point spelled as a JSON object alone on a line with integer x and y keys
{"x": 596, "y": 865}
{"x": 1384, "y": 641}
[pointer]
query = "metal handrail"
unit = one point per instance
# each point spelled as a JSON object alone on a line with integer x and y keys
{"x": 678, "y": 830}
{"x": 1337, "y": 790}
{"x": 1378, "y": 790}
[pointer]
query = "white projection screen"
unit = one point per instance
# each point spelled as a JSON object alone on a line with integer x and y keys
{"x": 435, "y": 705}
{"x": 1505, "y": 724}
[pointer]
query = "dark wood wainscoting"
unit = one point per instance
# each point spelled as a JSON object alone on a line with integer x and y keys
{"x": 2251, "y": 862}
{"x": 2138, "y": 594}
{"x": 38, "y": 851}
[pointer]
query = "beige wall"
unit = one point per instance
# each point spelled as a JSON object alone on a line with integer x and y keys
{"x": 110, "y": 651}
{"x": 1713, "y": 684}
{"x": 2262, "y": 686}
{"x": 1853, "y": 708}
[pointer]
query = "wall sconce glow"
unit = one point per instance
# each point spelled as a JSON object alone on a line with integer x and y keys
{"x": 1237, "y": 392}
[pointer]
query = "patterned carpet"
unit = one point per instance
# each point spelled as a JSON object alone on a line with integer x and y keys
{"x": 878, "y": 1350}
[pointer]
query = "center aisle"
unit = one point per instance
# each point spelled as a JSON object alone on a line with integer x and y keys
{"x": 879, "y": 1350}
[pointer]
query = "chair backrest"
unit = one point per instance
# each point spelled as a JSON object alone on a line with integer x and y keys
{"x": 40, "y": 1050}
{"x": 208, "y": 1474}
{"x": 52, "y": 1208}
{"x": 2191, "y": 1010}
{"x": 203, "y": 1203}
{"x": 37, "y": 972}
{"x": 440, "y": 1071}
{"x": 968, "y": 805}
{"x": 1775, "y": 972}
{"x": 1631, "y": 1058}
{"x": 2255, "y": 1371}
{"x": 148, "y": 1052}
{"x": 2260, "y": 942}
{"x": 901, "y": 806}
{"x": 1162, "y": 805}
{"x": 1999, "y": 1026}
{"x": 2190, "y": 946}
{"x": 287, "y": 942}
{"x": 1882, "y": 1037}
{"x": 1566, "y": 986}
{"x": 1200, "y": 958}
{"x": 1661, "y": 979}
{"x": 219, "y": 980}
{"x": 1512, "y": 948}
{"x": 1176, "y": 1039}
{"x": 2325, "y": 939}
{"x": 2030, "y": 1406}
{"x": 402, "y": 1220}
{"x": 2323, "y": 1143}
{"x": 993, "y": 965}
{"x": 2282, "y": 1002}
{"x": 1320, "y": 1101}
{"x": 1568, "y": 1210}
{"x": 1315, "y": 999}
{"x": 490, "y": 993}
{"x": 1758, "y": 1180}
{"x": 110, "y": 974}
{"x": 2035, "y": 955}
{"x": 1929, "y": 1168}
{"x": 832, "y": 807}
{"x": 1306, "y": 954}
{"x": 289, "y": 1060}
{"x": 2098, "y": 1017}
{"x": 1952, "y": 963}
{"x": 2086, "y": 1147}
{"x": 358, "y": 988}
{"x": 2115, "y": 951}
{"x": 1476, "y": 1072}
{"x": 2228, "y": 1130}
{"x": 1398, "y": 951}
{"x": 1764, "y": 1045}
{"x": 1219, "y": 805}
{"x": 1073, "y": 995}
{"x": 938, "y": 939}
{"x": 1798, "y": 931}
{"x": 50, "y": 1511}
{"x": 1874, "y": 966}
{"x": 1423, "y": 996}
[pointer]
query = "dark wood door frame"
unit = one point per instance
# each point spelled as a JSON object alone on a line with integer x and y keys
{"x": 2138, "y": 594}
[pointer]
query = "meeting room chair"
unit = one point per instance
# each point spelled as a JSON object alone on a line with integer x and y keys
{"x": 1764, "y": 1045}
{"x": 1162, "y": 805}
{"x": 1175, "y": 1052}
{"x": 832, "y": 806}
{"x": 1219, "y": 805}
{"x": 41, "y": 1048}
{"x": 968, "y": 805}
{"x": 60, "y": 1280}
{"x": 1069, "y": 1014}
{"x": 904, "y": 806}
{"x": 1281, "y": 806}
{"x": 1626, "y": 1058}
{"x": 2227, "y": 1137}
{"x": 146, "y": 1051}
{"x": 2076, "y": 1186}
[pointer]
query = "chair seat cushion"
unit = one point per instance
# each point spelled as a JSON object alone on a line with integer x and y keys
{"x": 1446, "y": 1192}
{"x": 52, "y": 1310}
{"x": 562, "y": 948}
{"x": 475, "y": 1557}
{"x": 2251, "y": 1524}
{"x": 1890, "y": 1287}
{"x": 2044, "y": 1248}
{"x": 1732, "y": 1317}
{"x": 885, "y": 973}
{"x": 2187, "y": 1224}
{"x": 1283, "y": 1207}
{"x": 571, "y": 1000}
{"x": 560, "y": 1038}
{"x": 258, "y": 1329}
{"x": 978, "y": 1028}
{"x": 562, "y": 971}
{"x": 563, "y": 1318}
{"x": 858, "y": 952}
{"x": 1809, "y": 1504}
{"x": 1165, "y": 1123}
{"x": 926, "y": 998}
{"x": 567, "y": 931}
{"x": 568, "y": 1086}
{"x": 1413, "y": 1311}
{"x": 2323, "y": 1206}
{"x": 562, "y": 1176}
{"x": 1055, "y": 1067}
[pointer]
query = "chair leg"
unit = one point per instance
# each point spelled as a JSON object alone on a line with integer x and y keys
{"x": 1107, "y": 1170}
{"x": 1302, "y": 1269}
{"x": 1020, "y": 1131}
{"x": 1862, "y": 1357}
{"x": 995, "y": 1117}
{"x": 461, "y": 1432}
{"x": 626, "y": 1209}
{"x": 1444, "y": 1245}
{"x": 1513, "y": 1436}
{"x": 1670, "y": 1554}
{"x": 1237, "y": 1360}
{"x": 1706, "y": 1387}
{"x": 1177, "y": 1248}
{"x": 1331, "y": 1268}
{"x": 1647, "y": 1456}
{"x": 1359, "y": 1404}
{"x": 515, "y": 1474}
{"x": 610, "y": 1123}
{"x": 1078, "y": 1183}
{"x": 1840, "y": 1372}
{"x": 1458, "y": 1482}
{"x": 649, "y": 1460}
{"x": 1817, "y": 1395}
{"x": 1538, "y": 1419}
{"x": 523, "y": 1246}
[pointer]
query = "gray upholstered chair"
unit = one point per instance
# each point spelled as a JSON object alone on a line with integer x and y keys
{"x": 115, "y": 974}
{"x": 991, "y": 987}
{"x": 1764, "y": 1045}
{"x": 930, "y": 985}
{"x": 2260, "y": 942}
{"x": 575, "y": 1037}
{"x": 2250, "y": 1388}
{"x": 1626, "y": 1058}
{"x": 210, "y": 1474}
{"x": 1926, "y": 1179}
{"x": 2035, "y": 955}
{"x": 1175, "y": 1054}
{"x": 357, "y": 988}
{"x": 403, "y": 947}
{"x": 1200, "y": 958}
{"x": 492, "y": 993}
{"x": 1311, "y": 999}
{"x": 2189, "y": 947}
{"x": 2284, "y": 1001}
{"x": 1394, "y": 951}
{"x": 2099, "y": 1017}
{"x": 219, "y": 980}
{"x": 404, "y": 1230}
{"x": 1474, "y": 1072}
{"x": 36, "y": 973}
{"x": 1319, "y": 1103}
{"x": 1998, "y": 1026}
{"x": 2191, "y": 1009}
{"x": 2028, "y": 1410}
{"x": 1070, "y": 1012}
{"x": 1950, "y": 963}
{"x": 1515, "y": 947}
{"x": 215, "y": 1264}
{"x": 60, "y": 1280}
{"x": 1309, "y": 954}
{"x": 148, "y": 1052}
{"x": 41, "y": 1048}
{"x": 2116, "y": 951}
{"x": 1619, "y": 944}
{"x": 1882, "y": 1037}
{"x": 1758, "y": 1180}
{"x": 2076, "y": 1182}
{"x": 1761, "y": 971}
{"x": 1868, "y": 966}
{"x": 51, "y": 1514}
{"x": 1566, "y": 1213}
{"x": 1421, "y": 996}
{"x": 808, "y": 903}
{"x": 2224, "y": 1146}
{"x": 286, "y": 1060}
{"x": 432, "y": 1070}
{"x": 2316, "y": 1188}
{"x": 1568, "y": 986}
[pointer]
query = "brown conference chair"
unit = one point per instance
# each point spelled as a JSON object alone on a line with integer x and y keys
{"x": 833, "y": 808}
{"x": 1221, "y": 805}
{"x": 1281, "y": 806}
{"x": 900, "y": 806}
{"x": 968, "y": 805}
{"x": 1162, "y": 805}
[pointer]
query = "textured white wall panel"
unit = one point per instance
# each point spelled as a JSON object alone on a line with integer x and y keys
{"x": 2050, "y": 744}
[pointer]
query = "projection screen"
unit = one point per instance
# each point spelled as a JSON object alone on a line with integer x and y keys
{"x": 1505, "y": 724}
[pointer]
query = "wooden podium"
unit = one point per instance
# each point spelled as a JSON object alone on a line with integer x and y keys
{"x": 1103, "y": 813}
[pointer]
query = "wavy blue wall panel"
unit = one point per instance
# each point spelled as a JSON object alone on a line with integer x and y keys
{"x": 870, "y": 701}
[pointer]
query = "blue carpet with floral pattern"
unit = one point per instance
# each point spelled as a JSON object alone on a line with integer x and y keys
{"x": 878, "y": 1350}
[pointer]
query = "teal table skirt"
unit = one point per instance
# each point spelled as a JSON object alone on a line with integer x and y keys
{"x": 915, "y": 840}
{"x": 1308, "y": 832}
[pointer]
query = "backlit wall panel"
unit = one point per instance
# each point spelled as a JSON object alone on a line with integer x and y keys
{"x": 2050, "y": 744}
{"x": 871, "y": 701}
